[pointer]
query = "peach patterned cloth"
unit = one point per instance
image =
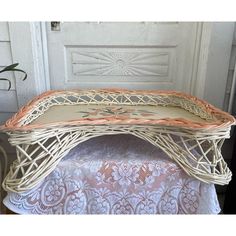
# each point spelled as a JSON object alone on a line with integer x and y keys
{"x": 117, "y": 174}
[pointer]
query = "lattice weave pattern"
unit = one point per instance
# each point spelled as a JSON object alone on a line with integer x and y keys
{"x": 196, "y": 147}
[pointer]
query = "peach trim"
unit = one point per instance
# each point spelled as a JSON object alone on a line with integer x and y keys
{"x": 223, "y": 118}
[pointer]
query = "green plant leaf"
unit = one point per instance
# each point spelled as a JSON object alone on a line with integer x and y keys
{"x": 20, "y": 71}
{"x": 10, "y": 67}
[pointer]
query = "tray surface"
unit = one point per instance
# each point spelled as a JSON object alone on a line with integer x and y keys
{"x": 118, "y": 107}
{"x": 81, "y": 111}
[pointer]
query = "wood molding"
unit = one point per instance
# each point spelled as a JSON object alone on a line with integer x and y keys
{"x": 232, "y": 92}
{"x": 45, "y": 55}
{"x": 39, "y": 49}
{"x": 200, "y": 59}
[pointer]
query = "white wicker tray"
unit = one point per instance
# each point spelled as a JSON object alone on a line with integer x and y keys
{"x": 188, "y": 130}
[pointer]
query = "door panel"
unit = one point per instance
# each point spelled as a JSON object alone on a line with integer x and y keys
{"x": 129, "y": 55}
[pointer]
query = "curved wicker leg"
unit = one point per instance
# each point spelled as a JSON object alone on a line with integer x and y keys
{"x": 201, "y": 159}
{"x": 38, "y": 154}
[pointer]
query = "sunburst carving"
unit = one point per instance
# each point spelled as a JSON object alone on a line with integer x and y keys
{"x": 120, "y": 63}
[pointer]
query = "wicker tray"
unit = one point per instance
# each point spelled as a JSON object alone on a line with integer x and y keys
{"x": 190, "y": 131}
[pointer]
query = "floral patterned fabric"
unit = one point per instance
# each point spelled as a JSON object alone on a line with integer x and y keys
{"x": 117, "y": 174}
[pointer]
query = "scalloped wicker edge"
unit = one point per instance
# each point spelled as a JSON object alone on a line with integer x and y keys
{"x": 223, "y": 118}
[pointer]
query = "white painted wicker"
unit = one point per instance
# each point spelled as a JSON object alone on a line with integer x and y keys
{"x": 194, "y": 145}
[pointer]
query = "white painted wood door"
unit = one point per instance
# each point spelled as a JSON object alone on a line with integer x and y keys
{"x": 191, "y": 57}
{"x": 129, "y": 55}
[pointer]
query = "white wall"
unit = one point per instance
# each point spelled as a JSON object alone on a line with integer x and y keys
{"x": 218, "y": 63}
{"x": 8, "y": 100}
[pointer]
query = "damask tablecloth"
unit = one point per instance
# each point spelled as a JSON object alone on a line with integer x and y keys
{"x": 118, "y": 174}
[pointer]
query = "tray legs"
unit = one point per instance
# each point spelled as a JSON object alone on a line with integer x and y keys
{"x": 39, "y": 152}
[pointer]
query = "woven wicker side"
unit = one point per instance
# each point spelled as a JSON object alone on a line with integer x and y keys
{"x": 39, "y": 152}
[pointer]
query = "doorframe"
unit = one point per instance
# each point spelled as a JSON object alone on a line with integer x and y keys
{"x": 201, "y": 51}
{"x": 41, "y": 49}
{"x": 33, "y": 57}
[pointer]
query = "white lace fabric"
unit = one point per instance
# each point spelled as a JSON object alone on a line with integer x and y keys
{"x": 117, "y": 174}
